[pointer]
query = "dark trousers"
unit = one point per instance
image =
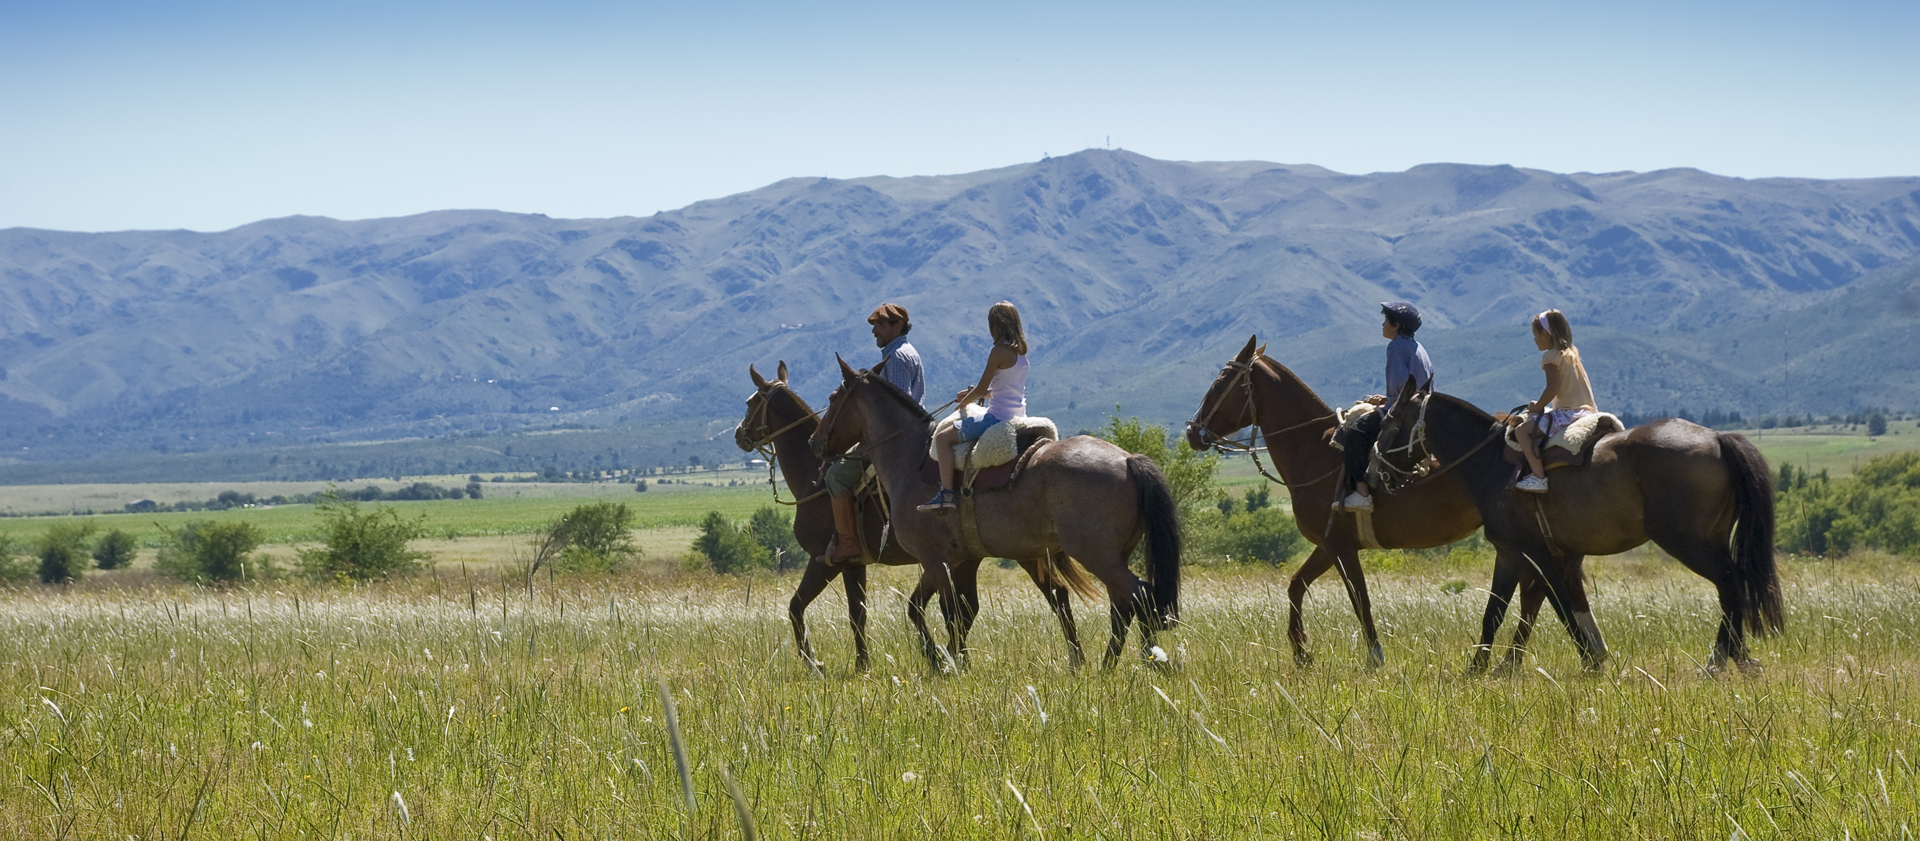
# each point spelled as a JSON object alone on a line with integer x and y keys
{"x": 1360, "y": 438}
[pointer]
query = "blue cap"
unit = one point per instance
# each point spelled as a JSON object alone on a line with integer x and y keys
{"x": 1405, "y": 315}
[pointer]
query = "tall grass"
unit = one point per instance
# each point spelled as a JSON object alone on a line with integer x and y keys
{"x": 445, "y": 708}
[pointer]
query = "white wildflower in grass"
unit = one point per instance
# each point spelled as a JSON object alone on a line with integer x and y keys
{"x": 400, "y": 808}
{"x": 1158, "y": 654}
{"x": 909, "y": 777}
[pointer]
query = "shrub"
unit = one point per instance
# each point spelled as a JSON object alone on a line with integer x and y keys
{"x": 63, "y": 551}
{"x": 1879, "y": 508}
{"x": 114, "y": 550}
{"x": 1266, "y": 535}
{"x": 362, "y": 546}
{"x": 728, "y": 548}
{"x": 14, "y": 566}
{"x": 774, "y": 532}
{"x": 211, "y": 551}
{"x": 1876, "y": 424}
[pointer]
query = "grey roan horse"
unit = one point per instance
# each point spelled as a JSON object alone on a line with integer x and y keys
{"x": 1704, "y": 497}
{"x": 778, "y": 419}
{"x": 1080, "y": 500}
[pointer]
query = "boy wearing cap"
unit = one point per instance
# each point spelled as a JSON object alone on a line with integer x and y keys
{"x": 1406, "y": 360}
{"x": 902, "y": 368}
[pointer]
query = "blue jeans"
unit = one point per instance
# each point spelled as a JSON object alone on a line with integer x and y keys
{"x": 971, "y": 428}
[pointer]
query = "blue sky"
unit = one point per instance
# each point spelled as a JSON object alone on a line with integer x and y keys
{"x": 207, "y": 115}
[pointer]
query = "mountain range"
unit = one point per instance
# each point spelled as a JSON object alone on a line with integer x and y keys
{"x": 1136, "y": 278}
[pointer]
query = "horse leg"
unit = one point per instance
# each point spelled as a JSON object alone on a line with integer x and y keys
{"x": 1150, "y": 650}
{"x": 1058, "y": 599}
{"x": 1532, "y": 593}
{"x": 1316, "y": 564}
{"x": 1506, "y": 573}
{"x": 1715, "y": 564}
{"x": 1356, "y": 579}
{"x": 855, "y": 579}
{"x": 816, "y": 578}
{"x": 1593, "y": 647}
{"x": 1121, "y": 615}
{"x": 917, "y": 613}
{"x": 966, "y": 602}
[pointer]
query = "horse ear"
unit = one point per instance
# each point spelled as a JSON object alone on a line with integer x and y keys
{"x": 1246, "y": 353}
{"x": 1407, "y": 391}
{"x": 1261, "y": 352}
{"x": 880, "y": 367}
{"x": 781, "y": 373}
{"x": 758, "y": 381}
{"x": 846, "y": 371}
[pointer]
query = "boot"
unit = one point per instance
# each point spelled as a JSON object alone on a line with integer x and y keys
{"x": 846, "y": 538}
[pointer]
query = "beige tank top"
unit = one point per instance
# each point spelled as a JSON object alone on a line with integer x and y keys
{"x": 1571, "y": 389}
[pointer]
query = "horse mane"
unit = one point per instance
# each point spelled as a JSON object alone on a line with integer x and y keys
{"x": 802, "y": 401}
{"x": 894, "y": 391}
{"x": 1285, "y": 373}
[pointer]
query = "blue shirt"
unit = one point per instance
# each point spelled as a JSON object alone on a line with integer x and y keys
{"x": 1406, "y": 359}
{"x": 903, "y": 368}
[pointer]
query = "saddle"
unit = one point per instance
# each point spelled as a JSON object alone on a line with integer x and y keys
{"x": 1026, "y": 445}
{"x": 1570, "y": 447}
{"x": 1346, "y": 418}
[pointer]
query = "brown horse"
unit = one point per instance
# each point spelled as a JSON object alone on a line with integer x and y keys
{"x": 778, "y": 419}
{"x": 1704, "y": 497}
{"x": 1255, "y": 391}
{"x": 1081, "y": 499}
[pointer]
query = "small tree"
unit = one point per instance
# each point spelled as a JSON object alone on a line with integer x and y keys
{"x": 774, "y": 532}
{"x": 1189, "y": 473}
{"x": 596, "y": 537}
{"x": 1877, "y": 424}
{"x": 114, "y": 550}
{"x": 211, "y": 551}
{"x": 728, "y": 548}
{"x": 473, "y": 487}
{"x": 362, "y": 546}
{"x": 63, "y": 551}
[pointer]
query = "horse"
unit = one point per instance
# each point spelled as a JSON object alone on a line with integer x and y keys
{"x": 778, "y": 419}
{"x": 1706, "y": 498}
{"x": 1081, "y": 500}
{"x": 1253, "y": 390}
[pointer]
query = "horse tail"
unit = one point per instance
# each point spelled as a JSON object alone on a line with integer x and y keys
{"x": 1756, "y": 575}
{"x": 1162, "y": 520}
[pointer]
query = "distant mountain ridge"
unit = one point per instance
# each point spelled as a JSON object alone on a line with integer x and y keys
{"x": 1135, "y": 277}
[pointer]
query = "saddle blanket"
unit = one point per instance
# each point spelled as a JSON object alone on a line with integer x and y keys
{"x": 996, "y": 446}
{"x": 1575, "y": 438}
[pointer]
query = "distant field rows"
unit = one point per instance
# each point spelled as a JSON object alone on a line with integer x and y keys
{"x": 670, "y": 506}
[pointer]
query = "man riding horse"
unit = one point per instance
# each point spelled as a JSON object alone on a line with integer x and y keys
{"x": 899, "y": 365}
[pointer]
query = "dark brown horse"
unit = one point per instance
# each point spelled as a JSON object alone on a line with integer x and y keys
{"x": 1255, "y": 391}
{"x": 1704, "y": 497}
{"x": 778, "y": 419}
{"x": 1080, "y": 500}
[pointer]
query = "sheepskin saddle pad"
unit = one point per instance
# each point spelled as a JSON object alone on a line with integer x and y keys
{"x": 1347, "y": 418}
{"x": 999, "y": 444}
{"x": 1572, "y": 446}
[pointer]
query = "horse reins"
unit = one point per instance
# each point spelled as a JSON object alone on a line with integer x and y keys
{"x": 1420, "y": 430}
{"x": 764, "y": 446}
{"x": 1243, "y": 375}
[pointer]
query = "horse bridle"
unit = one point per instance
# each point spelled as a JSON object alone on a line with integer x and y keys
{"x": 764, "y": 444}
{"x": 1420, "y": 472}
{"x": 1243, "y": 376}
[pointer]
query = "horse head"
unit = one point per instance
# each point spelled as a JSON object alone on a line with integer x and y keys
{"x": 840, "y": 427}
{"x": 756, "y": 430}
{"x": 1228, "y": 405}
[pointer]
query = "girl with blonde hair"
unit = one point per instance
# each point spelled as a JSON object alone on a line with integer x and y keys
{"x": 1568, "y": 391}
{"x": 1003, "y": 385}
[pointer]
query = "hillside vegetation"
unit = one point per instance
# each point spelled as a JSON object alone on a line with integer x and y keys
{"x": 1136, "y": 277}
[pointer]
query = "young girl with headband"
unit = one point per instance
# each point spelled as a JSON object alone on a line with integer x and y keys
{"x": 1568, "y": 391}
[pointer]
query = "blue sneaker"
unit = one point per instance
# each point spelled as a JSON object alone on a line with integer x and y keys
{"x": 941, "y": 502}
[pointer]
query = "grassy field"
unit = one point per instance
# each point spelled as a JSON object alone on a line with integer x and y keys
{"x": 463, "y": 707}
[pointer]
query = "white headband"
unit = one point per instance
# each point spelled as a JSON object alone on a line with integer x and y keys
{"x": 1542, "y": 321}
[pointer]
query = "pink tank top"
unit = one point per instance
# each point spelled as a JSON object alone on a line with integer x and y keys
{"x": 1007, "y": 392}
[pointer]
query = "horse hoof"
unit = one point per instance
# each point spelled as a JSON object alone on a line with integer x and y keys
{"x": 1375, "y": 657}
{"x": 1750, "y": 667}
{"x": 1303, "y": 659}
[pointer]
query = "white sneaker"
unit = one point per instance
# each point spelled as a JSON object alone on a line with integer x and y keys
{"x": 1531, "y": 484}
{"x": 1354, "y": 502}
